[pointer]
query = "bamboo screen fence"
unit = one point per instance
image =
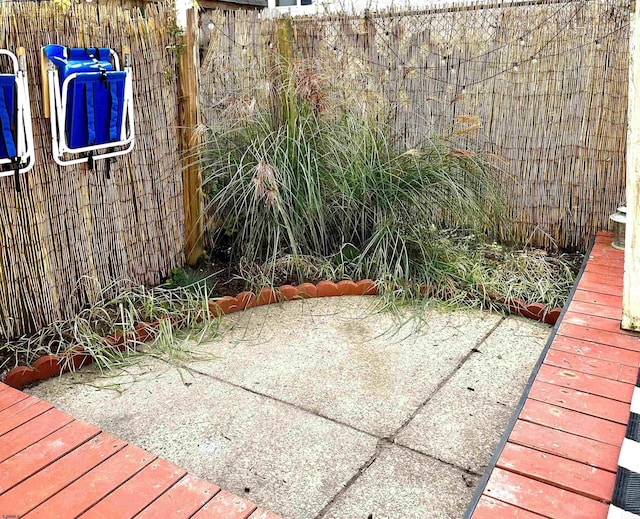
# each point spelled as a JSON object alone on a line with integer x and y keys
{"x": 540, "y": 87}
{"x": 70, "y": 231}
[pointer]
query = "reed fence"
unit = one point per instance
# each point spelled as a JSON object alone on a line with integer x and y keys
{"x": 71, "y": 231}
{"x": 541, "y": 88}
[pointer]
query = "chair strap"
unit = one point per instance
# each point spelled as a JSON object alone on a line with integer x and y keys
{"x": 115, "y": 109}
{"x": 5, "y": 126}
{"x": 91, "y": 116}
{"x": 103, "y": 71}
{"x": 16, "y": 170}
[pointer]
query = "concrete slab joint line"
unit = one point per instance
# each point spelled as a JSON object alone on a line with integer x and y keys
{"x": 474, "y": 407}
{"x": 444, "y": 381}
{"x": 384, "y": 443}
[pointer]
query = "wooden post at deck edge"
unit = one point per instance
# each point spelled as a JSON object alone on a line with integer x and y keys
{"x": 631, "y": 286}
{"x": 189, "y": 143}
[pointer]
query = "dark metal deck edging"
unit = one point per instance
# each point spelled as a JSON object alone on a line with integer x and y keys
{"x": 525, "y": 394}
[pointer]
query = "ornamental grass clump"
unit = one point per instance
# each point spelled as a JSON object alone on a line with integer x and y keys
{"x": 324, "y": 187}
{"x": 305, "y": 179}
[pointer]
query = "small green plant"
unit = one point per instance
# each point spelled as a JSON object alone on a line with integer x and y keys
{"x": 179, "y": 278}
{"x": 177, "y": 45}
{"x": 198, "y": 279}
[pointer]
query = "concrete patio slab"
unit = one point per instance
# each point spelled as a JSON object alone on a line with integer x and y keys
{"x": 284, "y": 459}
{"x": 401, "y": 483}
{"x": 297, "y": 406}
{"x": 344, "y": 359}
{"x": 463, "y": 423}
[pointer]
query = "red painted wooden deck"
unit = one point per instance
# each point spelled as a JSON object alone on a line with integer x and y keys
{"x": 561, "y": 457}
{"x": 53, "y": 466}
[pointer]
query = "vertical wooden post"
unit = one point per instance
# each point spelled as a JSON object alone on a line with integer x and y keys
{"x": 285, "y": 38}
{"x": 285, "y": 105}
{"x": 631, "y": 290}
{"x": 189, "y": 141}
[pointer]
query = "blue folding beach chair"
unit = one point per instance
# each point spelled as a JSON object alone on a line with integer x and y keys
{"x": 16, "y": 135}
{"x": 91, "y": 100}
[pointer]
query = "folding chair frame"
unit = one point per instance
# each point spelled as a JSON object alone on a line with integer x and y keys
{"x": 24, "y": 128}
{"x": 58, "y": 101}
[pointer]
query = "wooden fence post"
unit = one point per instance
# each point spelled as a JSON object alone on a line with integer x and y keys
{"x": 631, "y": 289}
{"x": 284, "y": 104}
{"x": 285, "y": 38}
{"x": 189, "y": 140}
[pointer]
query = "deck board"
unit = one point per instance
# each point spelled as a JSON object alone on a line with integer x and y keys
{"x": 611, "y": 389}
{"x": 36, "y": 457}
{"x": 596, "y": 351}
{"x": 574, "y": 422}
{"x": 583, "y": 364}
{"x": 558, "y": 471}
{"x": 32, "y": 432}
{"x": 628, "y": 374}
{"x": 226, "y": 506}
{"x": 10, "y": 397}
{"x": 139, "y": 492}
{"x": 585, "y": 403}
{"x": 595, "y": 298}
{"x": 86, "y": 491}
{"x": 566, "y": 445}
{"x": 596, "y": 310}
{"x": 489, "y": 508}
{"x": 606, "y": 324}
{"x": 600, "y": 336}
{"x": 182, "y": 500}
{"x": 605, "y": 279}
{"x": 21, "y": 412}
{"x": 46, "y": 483}
{"x": 598, "y": 286}
{"x": 542, "y": 498}
{"x": 561, "y": 455}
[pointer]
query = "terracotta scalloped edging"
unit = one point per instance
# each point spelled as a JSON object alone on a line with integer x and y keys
{"x": 49, "y": 366}
{"x": 327, "y": 289}
{"x": 534, "y": 311}
{"x": 289, "y": 292}
{"x": 20, "y": 376}
{"x": 307, "y": 290}
{"x": 246, "y": 300}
